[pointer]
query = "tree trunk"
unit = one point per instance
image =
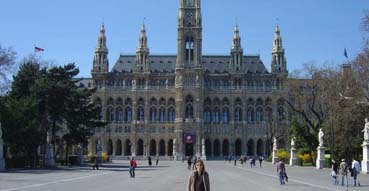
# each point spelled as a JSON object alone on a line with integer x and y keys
{"x": 66, "y": 154}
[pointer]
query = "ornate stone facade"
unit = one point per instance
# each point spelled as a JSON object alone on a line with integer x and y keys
{"x": 166, "y": 104}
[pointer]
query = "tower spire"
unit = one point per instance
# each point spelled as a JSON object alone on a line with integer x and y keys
{"x": 236, "y": 51}
{"x": 142, "y": 52}
{"x": 279, "y": 64}
{"x": 236, "y": 38}
{"x": 100, "y": 62}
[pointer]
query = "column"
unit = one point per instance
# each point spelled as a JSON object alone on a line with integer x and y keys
{"x": 275, "y": 152}
{"x": 49, "y": 153}
{"x": 175, "y": 149}
{"x": 365, "y": 161}
{"x": 320, "y": 157}
{"x": 293, "y": 158}
{"x": 203, "y": 153}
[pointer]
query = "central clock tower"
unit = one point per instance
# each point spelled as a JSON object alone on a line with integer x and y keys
{"x": 189, "y": 79}
{"x": 189, "y": 34}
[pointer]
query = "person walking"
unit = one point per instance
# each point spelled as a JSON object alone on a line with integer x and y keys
{"x": 193, "y": 162}
{"x": 96, "y": 164}
{"x": 157, "y": 160}
{"x": 189, "y": 162}
{"x": 199, "y": 179}
{"x": 260, "y": 160}
{"x": 281, "y": 170}
{"x": 149, "y": 158}
{"x": 343, "y": 172}
{"x": 334, "y": 172}
{"x": 133, "y": 165}
{"x": 355, "y": 170}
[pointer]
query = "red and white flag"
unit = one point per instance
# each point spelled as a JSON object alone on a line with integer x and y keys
{"x": 38, "y": 49}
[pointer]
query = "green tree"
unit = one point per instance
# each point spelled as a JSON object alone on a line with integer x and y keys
{"x": 82, "y": 117}
{"x": 19, "y": 116}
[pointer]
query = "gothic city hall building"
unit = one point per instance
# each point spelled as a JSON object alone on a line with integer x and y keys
{"x": 189, "y": 104}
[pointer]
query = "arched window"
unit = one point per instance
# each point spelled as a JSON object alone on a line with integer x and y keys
{"x": 128, "y": 114}
{"x": 207, "y": 115}
{"x": 189, "y": 111}
{"x": 153, "y": 114}
{"x": 250, "y": 115}
{"x": 171, "y": 114}
{"x": 225, "y": 115}
{"x": 189, "y": 108}
{"x": 140, "y": 114}
{"x": 259, "y": 114}
{"x": 162, "y": 114}
{"x": 110, "y": 114}
{"x": 189, "y": 48}
{"x": 119, "y": 114}
{"x": 216, "y": 115}
{"x": 238, "y": 115}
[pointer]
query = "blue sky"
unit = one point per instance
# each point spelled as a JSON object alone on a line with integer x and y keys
{"x": 312, "y": 30}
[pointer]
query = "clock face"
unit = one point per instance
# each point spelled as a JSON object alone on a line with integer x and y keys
{"x": 189, "y": 15}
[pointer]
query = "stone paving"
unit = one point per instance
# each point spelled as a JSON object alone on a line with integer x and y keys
{"x": 170, "y": 175}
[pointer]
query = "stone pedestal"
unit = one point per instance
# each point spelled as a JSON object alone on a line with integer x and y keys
{"x": 275, "y": 156}
{"x": 203, "y": 153}
{"x": 365, "y": 161}
{"x": 293, "y": 158}
{"x": 320, "y": 158}
{"x": 2, "y": 161}
{"x": 49, "y": 156}
{"x": 81, "y": 158}
{"x": 175, "y": 157}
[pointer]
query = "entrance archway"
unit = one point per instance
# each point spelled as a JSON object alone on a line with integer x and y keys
{"x": 170, "y": 148}
{"x": 260, "y": 147}
{"x": 189, "y": 149}
{"x": 140, "y": 148}
{"x": 250, "y": 148}
{"x": 127, "y": 148}
{"x": 161, "y": 148}
{"x": 207, "y": 147}
{"x": 225, "y": 147}
{"x": 152, "y": 147}
{"x": 238, "y": 147}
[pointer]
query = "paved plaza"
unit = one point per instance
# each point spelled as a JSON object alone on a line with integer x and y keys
{"x": 171, "y": 176}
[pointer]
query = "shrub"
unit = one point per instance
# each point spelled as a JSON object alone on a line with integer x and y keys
{"x": 283, "y": 155}
{"x": 91, "y": 157}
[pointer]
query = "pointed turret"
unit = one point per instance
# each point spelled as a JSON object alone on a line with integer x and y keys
{"x": 101, "y": 63}
{"x": 142, "y": 52}
{"x": 279, "y": 63}
{"x": 143, "y": 39}
{"x": 236, "y": 45}
{"x": 236, "y": 51}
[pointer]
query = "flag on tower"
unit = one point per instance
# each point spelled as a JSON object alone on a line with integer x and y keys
{"x": 38, "y": 49}
{"x": 345, "y": 53}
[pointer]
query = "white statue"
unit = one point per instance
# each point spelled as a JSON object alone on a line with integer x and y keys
{"x": 366, "y": 130}
{"x": 321, "y": 134}
{"x": 293, "y": 141}
{"x": 197, "y": 79}
{"x": 275, "y": 144}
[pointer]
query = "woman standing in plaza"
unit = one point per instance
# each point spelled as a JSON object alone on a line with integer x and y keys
{"x": 199, "y": 179}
